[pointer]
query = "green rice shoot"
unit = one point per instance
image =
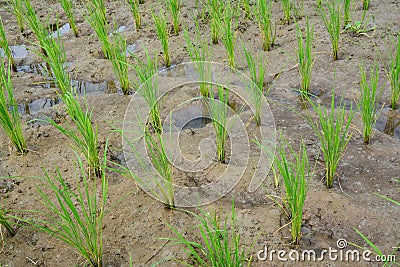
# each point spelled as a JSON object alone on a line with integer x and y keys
{"x": 287, "y": 13}
{"x": 17, "y": 8}
{"x": 134, "y": 5}
{"x": 228, "y": 38}
{"x": 5, "y": 46}
{"x": 394, "y": 76}
{"x": 67, "y": 6}
{"x": 163, "y": 35}
{"x": 332, "y": 18}
{"x": 119, "y": 62}
{"x": 175, "y": 10}
{"x": 263, "y": 11}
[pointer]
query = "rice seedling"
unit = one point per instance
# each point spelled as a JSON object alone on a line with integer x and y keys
{"x": 199, "y": 57}
{"x": 17, "y": 10}
{"x": 218, "y": 109}
{"x": 257, "y": 75}
{"x": 220, "y": 243}
{"x": 319, "y": 3}
{"x": 394, "y": 76}
{"x": 294, "y": 174}
{"x": 163, "y": 34}
{"x": 175, "y": 10}
{"x": 119, "y": 62}
{"x": 367, "y": 104}
{"x": 75, "y": 217}
{"x": 9, "y": 115}
{"x": 98, "y": 21}
{"x": 215, "y": 8}
{"x": 305, "y": 55}
{"x": 333, "y": 133}
{"x": 67, "y": 6}
{"x": 134, "y": 4}
{"x": 5, "y": 222}
{"x": 347, "y": 15}
{"x": 6, "y": 48}
{"x": 365, "y": 4}
{"x": 228, "y": 38}
{"x": 246, "y": 8}
{"x": 149, "y": 91}
{"x": 159, "y": 159}
{"x": 331, "y": 20}
{"x": 263, "y": 11}
{"x": 287, "y": 6}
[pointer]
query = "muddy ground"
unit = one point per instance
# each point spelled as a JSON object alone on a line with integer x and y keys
{"x": 133, "y": 227}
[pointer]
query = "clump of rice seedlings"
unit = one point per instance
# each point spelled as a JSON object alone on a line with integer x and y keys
{"x": 228, "y": 38}
{"x": 67, "y": 5}
{"x": 159, "y": 159}
{"x": 149, "y": 91}
{"x": 220, "y": 243}
{"x": 98, "y": 21}
{"x": 163, "y": 34}
{"x": 215, "y": 8}
{"x": 9, "y": 115}
{"x": 365, "y": 4}
{"x": 175, "y": 10}
{"x": 294, "y": 174}
{"x": 199, "y": 57}
{"x": 367, "y": 103}
{"x": 6, "y": 49}
{"x": 134, "y": 4}
{"x": 347, "y": 16}
{"x": 5, "y": 222}
{"x": 287, "y": 6}
{"x": 331, "y": 20}
{"x": 333, "y": 134}
{"x": 218, "y": 109}
{"x": 263, "y": 11}
{"x": 394, "y": 76}
{"x": 75, "y": 216}
{"x": 319, "y": 3}
{"x": 119, "y": 62}
{"x": 17, "y": 8}
{"x": 257, "y": 75}
{"x": 305, "y": 55}
{"x": 246, "y": 8}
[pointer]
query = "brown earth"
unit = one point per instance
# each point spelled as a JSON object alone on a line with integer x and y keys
{"x": 135, "y": 225}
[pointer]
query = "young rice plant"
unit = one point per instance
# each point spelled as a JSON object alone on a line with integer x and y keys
{"x": 68, "y": 5}
{"x": 17, "y": 8}
{"x": 9, "y": 115}
{"x": 347, "y": 15}
{"x": 263, "y": 11}
{"x": 228, "y": 38}
{"x": 6, "y": 48}
{"x": 331, "y": 19}
{"x": 134, "y": 4}
{"x": 5, "y": 222}
{"x": 305, "y": 56}
{"x": 394, "y": 76}
{"x": 119, "y": 62}
{"x": 286, "y": 6}
{"x": 215, "y": 9}
{"x": 163, "y": 34}
{"x": 175, "y": 10}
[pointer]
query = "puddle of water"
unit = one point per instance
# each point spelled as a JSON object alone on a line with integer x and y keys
{"x": 34, "y": 106}
{"x": 131, "y": 49}
{"x": 17, "y": 51}
{"x": 389, "y": 122}
{"x": 120, "y": 29}
{"x": 61, "y": 31}
{"x": 91, "y": 88}
{"x": 38, "y": 69}
{"x": 190, "y": 117}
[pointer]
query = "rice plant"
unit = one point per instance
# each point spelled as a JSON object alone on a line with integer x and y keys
{"x": 263, "y": 11}
{"x": 394, "y": 76}
{"x": 220, "y": 243}
{"x": 305, "y": 55}
{"x": 6, "y": 48}
{"x": 367, "y": 104}
{"x": 246, "y": 8}
{"x": 17, "y": 8}
{"x": 365, "y": 4}
{"x": 199, "y": 56}
{"x": 75, "y": 216}
{"x": 9, "y": 115}
{"x": 175, "y": 10}
{"x": 286, "y": 6}
{"x": 333, "y": 134}
{"x": 331, "y": 19}
{"x": 215, "y": 9}
{"x": 257, "y": 74}
{"x": 294, "y": 174}
{"x": 159, "y": 159}
{"x": 228, "y": 30}
{"x": 119, "y": 62}
{"x": 218, "y": 109}
{"x": 134, "y": 4}
{"x": 163, "y": 34}
{"x": 149, "y": 87}
{"x": 347, "y": 15}
{"x": 98, "y": 21}
{"x": 68, "y": 5}
{"x": 6, "y": 223}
